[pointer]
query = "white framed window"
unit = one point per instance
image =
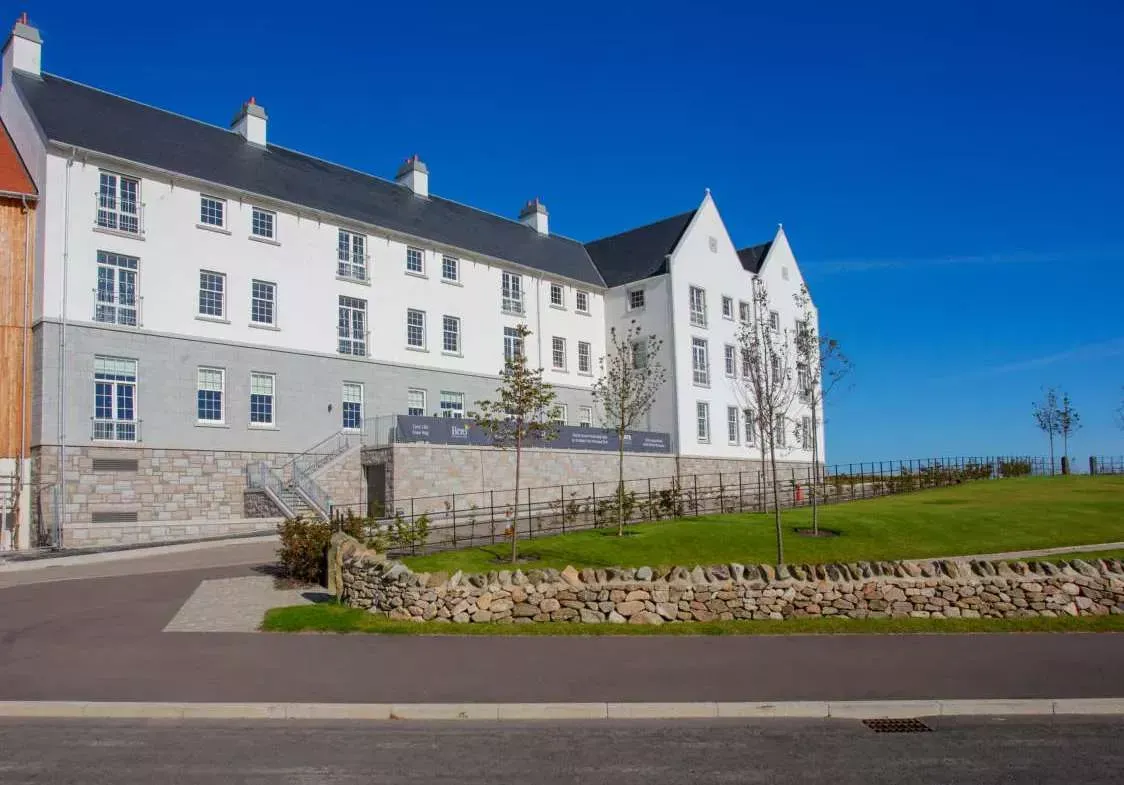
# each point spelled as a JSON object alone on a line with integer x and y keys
{"x": 727, "y": 307}
{"x": 212, "y": 294}
{"x": 774, "y": 321}
{"x": 732, "y": 424}
{"x": 712, "y": 243}
{"x": 700, "y": 364}
{"x": 512, "y": 343}
{"x": 803, "y": 381}
{"x": 116, "y": 300}
{"x": 351, "y": 254}
{"x": 118, "y": 203}
{"x": 745, "y": 363}
{"x": 263, "y": 223}
{"x": 352, "y": 408}
{"x": 512, "y": 293}
{"x": 806, "y": 433}
{"x": 212, "y": 211}
{"x": 557, "y": 295}
{"x": 263, "y": 303}
{"x": 775, "y": 365}
{"x": 415, "y": 402}
{"x": 415, "y": 328}
{"x": 210, "y": 385}
{"x": 561, "y": 416}
{"x": 778, "y": 431}
{"x": 635, "y": 299}
{"x": 731, "y": 360}
{"x": 640, "y": 353}
{"x": 261, "y": 399}
{"x": 353, "y": 326}
{"x": 415, "y": 261}
{"x": 115, "y": 399}
{"x": 750, "y": 426}
{"x": 702, "y": 421}
{"x": 585, "y": 416}
{"x": 581, "y": 302}
{"x": 697, "y": 299}
{"x": 450, "y": 268}
{"x": 452, "y": 405}
{"x": 558, "y": 353}
{"x": 585, "y": 357}
{"x": 744, "y": 312}
{"x": 451, "y": 334}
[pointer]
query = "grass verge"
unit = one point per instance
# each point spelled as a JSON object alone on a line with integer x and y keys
{"x": 340, "y": 619}
{"x": 974, "y": 517}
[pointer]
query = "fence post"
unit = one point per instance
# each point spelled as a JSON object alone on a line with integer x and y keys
{"x": 651, "y": 512}
{"x": 454, "y": 498}
{"x": 1092, "y": 465}
{"x": 696, "y": 481}
{"x": 741, "y": 498}
{"x": 492, "y": 513}
{"x": 562, "y": 505}
{"x": 593, "y": 495}
{"x": 530, "y": 519}
{"x": 761, "y": 490}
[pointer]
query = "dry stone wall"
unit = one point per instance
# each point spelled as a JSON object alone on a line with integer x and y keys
{"x": 644, "y": 595}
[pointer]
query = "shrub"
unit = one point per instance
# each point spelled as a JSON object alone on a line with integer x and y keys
{"x": 1015, "y": 467}
{"x": 304, "y": 545}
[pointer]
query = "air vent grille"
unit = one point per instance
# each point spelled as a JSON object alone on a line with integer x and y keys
{"x": 115, "y": 516}
{"x": 116, "y": 465}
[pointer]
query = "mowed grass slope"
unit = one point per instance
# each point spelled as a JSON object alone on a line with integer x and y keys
{"x": 986, "y": 516}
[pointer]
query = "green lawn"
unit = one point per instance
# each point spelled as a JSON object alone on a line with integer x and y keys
{"x": 338, "y": 619}
{"x": 975, "y": 517}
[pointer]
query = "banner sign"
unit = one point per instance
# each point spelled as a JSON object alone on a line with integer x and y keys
{"x": 446, "y": 430}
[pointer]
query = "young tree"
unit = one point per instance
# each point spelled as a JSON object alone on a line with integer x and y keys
{"x": 820, "y": 366}
{"x": 1069, "y": 422}
{"x": 631, "y": 375}
{"x": 1047, "y": 419}
{"x": 523, "y": 412}
{"x": 767, "y": 386}
{"x": 1120, "y": 415}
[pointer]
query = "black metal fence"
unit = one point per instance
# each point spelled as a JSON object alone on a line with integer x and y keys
{"x": 1106, "y": 464}
{"x": 427, "y": 524}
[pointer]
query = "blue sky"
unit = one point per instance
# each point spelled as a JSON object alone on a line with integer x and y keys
{"x": 950, "y": 176}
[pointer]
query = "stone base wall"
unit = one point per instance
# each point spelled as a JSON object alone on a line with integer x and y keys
{"x": 174, "y": 494}
{"x": 430, "y": 474}
{"x": 935, "y": 589}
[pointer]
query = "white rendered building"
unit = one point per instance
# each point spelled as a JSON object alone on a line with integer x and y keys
{"x": 206, "y": 303}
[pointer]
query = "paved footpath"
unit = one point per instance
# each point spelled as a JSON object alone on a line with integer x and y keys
{"x": 103, "y": 639}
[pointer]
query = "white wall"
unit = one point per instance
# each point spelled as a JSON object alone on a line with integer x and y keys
{"x": 719, "y": 272}
{"x": 303, "y": 265}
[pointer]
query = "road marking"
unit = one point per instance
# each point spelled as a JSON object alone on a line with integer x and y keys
{"x": 562, "y": 711}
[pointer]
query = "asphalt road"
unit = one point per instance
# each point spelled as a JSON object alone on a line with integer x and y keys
{"x": 102, "y": 639}
{"x": 1044, "y": 752}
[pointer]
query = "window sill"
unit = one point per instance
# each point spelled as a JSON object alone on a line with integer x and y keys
{"x": 262, "y": 427}
{"x": 699, "y": 326}
{"x": 452, "y": 282}
{"x": 705, "y": 385}
{"x": 266, "y": 240}
{"x": 350, "y": 279}
{"x": 728, "y": 318}
{"x": 582, "y": 313}
{"x": 634, "y": 310}
{"x": 215, "y": 229}
{"x": 119, "y": 233}
{"x": 509, "y": 312}
{"x": 414, "y": 274}
{"x": 257, "y": 326}
{"x": 452, "y": 354}
{"x": 585, "y": 373}
{"x": 211, "y": 425}
{"x": 421, "y": 349}
{"x": 704, "y": 441}
{"x": 558, "y": 307}
{"x": 216, "y": 319}
{"x": 560, "y": 370}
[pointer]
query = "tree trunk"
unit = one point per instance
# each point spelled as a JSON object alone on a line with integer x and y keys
{"x": 815, "y": 471}
{"x": 515, "y": 513}
{"x": 1051, "y": 454}
{"x": 776, "y": 503}
{"x": 620, "y": 472}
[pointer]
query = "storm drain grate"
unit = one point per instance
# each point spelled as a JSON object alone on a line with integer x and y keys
{"x": 897, "y": 726}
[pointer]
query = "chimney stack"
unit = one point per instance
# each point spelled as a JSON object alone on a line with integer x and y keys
{"x": 24, "y": 49}
{"x": 534, "y": 214}
{"x": 414, "y": 175}
{"x": 251, "y": 122}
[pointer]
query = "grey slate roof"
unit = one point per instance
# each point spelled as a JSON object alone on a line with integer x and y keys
{"x": 75, "y": 114}
{"x": 638, "y": 253}
{"x": 753, "y": 256}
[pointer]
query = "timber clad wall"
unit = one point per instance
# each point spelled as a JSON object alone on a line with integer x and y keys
{"x": 15, "y": 400}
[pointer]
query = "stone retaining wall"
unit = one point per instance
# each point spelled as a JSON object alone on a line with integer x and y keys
{"x": 934, "y": 589}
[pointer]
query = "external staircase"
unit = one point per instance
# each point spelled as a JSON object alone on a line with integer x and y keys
{"x": 292, "y": 487}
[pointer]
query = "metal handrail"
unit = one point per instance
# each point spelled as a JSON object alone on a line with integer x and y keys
{"x": 314, "y": 457}
{"x": 108, "y": 425}
{"x": 312, "y": 492}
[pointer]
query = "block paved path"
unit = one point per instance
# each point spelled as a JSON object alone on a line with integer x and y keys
{"x": 103, "y": 639}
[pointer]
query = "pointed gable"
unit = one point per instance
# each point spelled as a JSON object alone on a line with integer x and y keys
{"x": 14, "y": 178}
{"x": 638, "y": 253}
